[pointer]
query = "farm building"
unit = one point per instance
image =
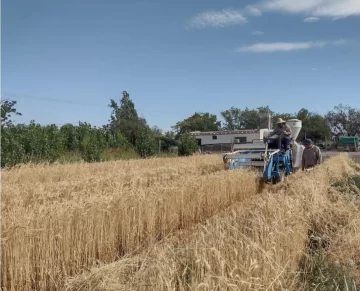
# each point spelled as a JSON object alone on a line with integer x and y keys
{"x": 220, "y": 141}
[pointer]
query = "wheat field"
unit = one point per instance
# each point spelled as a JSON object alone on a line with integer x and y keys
{"x": 169, "y": 224}
{"x": 61, "y": 219}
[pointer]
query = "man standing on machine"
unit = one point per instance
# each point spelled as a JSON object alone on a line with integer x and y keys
{"x": 284, "y": 131}
{"x": 311, "y": 156}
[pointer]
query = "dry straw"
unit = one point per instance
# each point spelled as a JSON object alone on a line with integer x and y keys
{"x": 253, "y": 245}
{"x": 59, "y": 220}
{"x": 216, "y": 235}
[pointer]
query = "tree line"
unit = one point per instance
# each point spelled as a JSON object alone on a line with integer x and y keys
{"x": 128, "y": 135}
{"x": 342, "y": 120}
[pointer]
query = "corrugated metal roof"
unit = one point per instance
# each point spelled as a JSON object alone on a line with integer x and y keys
{"x": 224, "y": 132}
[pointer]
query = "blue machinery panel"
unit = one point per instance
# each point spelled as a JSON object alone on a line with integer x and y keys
{"x": 274, "y": 164}
{"x": 279, "y": 164}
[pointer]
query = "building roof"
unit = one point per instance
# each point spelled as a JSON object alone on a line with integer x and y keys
{"x": 224, "y": 132}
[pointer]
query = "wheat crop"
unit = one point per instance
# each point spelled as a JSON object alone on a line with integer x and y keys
{"x": 257, "y": 244}
{"x": 170, "y": 224}
{"x": 58, "y": 220}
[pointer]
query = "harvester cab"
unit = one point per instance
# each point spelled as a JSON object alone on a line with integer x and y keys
{"x": 267, "y": 155}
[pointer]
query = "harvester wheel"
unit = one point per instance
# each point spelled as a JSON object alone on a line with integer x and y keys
{"x": 280, "y": 179}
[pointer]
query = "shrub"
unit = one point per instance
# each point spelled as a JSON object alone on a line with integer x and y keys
{"x": 188, "y": 144}
{"x": 146, "y": 143}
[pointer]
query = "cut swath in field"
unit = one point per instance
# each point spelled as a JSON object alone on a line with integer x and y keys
{"x": 255, "y": 245}
{"x": 59, "y": 220}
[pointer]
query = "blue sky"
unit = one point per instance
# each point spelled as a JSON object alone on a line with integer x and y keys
{"x": 63, "y": 60}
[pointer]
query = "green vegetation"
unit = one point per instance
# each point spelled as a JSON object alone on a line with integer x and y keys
{"x": 188, "y": 144}
{"x": 36, "y": 143}
{"x": 126, "y": 136}
{"x": 320, "y": 273}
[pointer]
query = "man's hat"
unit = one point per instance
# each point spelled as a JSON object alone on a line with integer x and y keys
{"x": 280, "y": 120}
{"x": 308, "y": 141}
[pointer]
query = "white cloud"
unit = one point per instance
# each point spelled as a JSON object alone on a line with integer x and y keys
{"x": 258, "y": 32}
{"x": 217, "y": 19}
{"x": 285, "y": 46}
{"x": 315, "y": 69}
{"x": 338, "y": 42}
{"x": 316, "y": 8}
{"x": 311, "y": 19}
{"x": 253, "y": 11}
{"x": 338, "y": 18}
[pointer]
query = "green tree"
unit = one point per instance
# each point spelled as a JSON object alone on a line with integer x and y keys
{"x": 251, "y": 118}
{"x": 157, "y": 131}
{"x": 233, "y": 119}
{"x": 91, "y": 142}
{"x": 188, "y": 144}
{"x": 146, "y": 143}
{"x": 125, "y": 118}
{"x": 12, "y": 148}
{"x": 343, "y": 120}
{"x": 238, "y": 119}
{"x": 198, "y": 122}
{"x": 170, "y": 134}
{"x": 313, "y": 126}
{"x": 7, "y": 110}
{"x": 168, "y": 142}
{"x": 71, "y": 140}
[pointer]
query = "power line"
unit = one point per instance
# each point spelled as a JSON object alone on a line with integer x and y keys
{"x": 21, "y": 96}
{"x": 13, "y": 96}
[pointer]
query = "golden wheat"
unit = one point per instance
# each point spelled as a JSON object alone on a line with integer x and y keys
{"x": 61, "y": 219}
{"x": 254, "y": 245}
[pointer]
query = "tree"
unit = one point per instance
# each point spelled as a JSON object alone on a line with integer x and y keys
{"x": 251, "y": 118}
{"x": 313, "y": 125}
{"x": 91, "y": 143}
{"x": 343, "y": 120}
{"x": 198, "y": 122}
{"x": 157, "y": 131}
{"x": 146, "y": 143}
{"x": 7, "y": 109}
{"x": 126, "y": 119}
{"x": 188, "y": 144}
{"x": 237, "y": 119}
{"x": 170, "y": 134}
{"x": 69, "y": 132}
{"x": 233, "y": 119}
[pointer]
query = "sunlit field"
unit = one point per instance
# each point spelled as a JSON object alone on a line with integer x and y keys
{"x": 175, "y": 224}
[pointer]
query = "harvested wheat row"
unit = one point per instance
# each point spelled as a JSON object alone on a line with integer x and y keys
{"x": 255, "y": 245}
{"x": 51, "y": 233}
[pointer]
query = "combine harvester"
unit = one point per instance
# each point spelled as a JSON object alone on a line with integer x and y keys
{"x": 267, "y": 156}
